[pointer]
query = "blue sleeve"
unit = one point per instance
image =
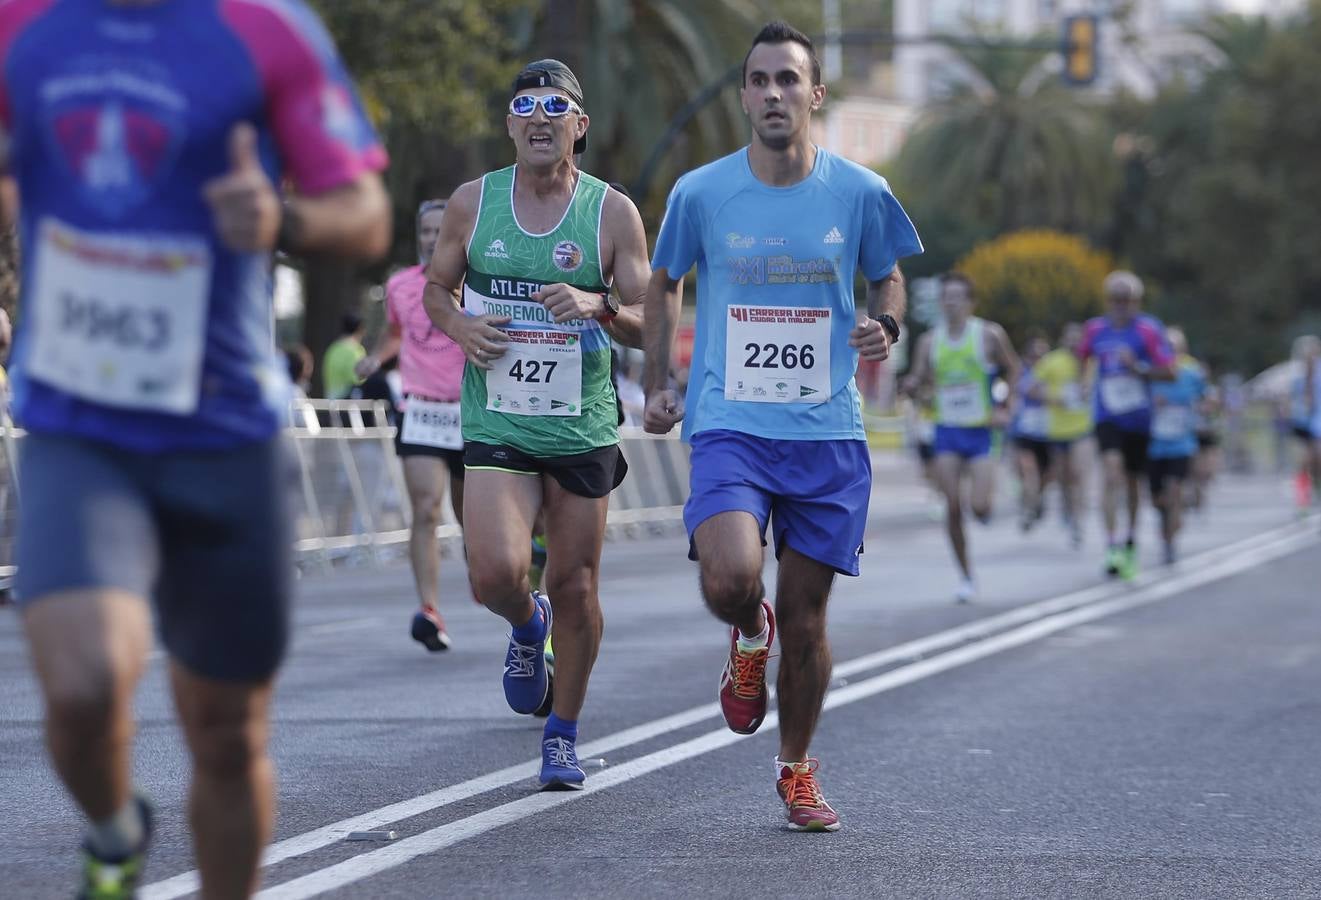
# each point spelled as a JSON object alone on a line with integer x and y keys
{"x": 888, "y": 234}
{"x": 679, "y": 243}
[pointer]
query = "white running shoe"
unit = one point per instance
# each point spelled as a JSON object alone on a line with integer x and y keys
{"x": 967, "y": 591}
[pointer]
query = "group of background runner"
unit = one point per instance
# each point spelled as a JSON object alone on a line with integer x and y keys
{"x": 1122, "y": 377}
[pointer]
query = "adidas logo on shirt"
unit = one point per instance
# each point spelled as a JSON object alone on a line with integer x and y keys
{"x": 834, "y": 237}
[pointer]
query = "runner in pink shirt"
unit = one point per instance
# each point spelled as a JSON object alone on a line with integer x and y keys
{"x": 429, "y": 438}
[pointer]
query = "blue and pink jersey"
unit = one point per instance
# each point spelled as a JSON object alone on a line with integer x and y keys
{"x": 1123, "y": 397}
{"x": 138, "y": 327}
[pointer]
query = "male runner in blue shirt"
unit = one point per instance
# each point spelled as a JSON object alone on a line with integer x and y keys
{"x": 777, "y": 231}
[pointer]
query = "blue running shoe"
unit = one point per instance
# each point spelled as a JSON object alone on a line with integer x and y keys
{"x": 559, "y": 765}
{"x": 526, "y": 681}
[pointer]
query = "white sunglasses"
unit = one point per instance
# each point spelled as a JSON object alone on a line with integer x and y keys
{"x": 553, "y": 105}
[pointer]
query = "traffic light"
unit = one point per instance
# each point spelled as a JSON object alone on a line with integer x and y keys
{"x": 1079, "y": 46}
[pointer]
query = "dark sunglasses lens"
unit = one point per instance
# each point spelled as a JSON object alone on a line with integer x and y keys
{"x": 523, "y": 106}
{"x": 555, "y": 105}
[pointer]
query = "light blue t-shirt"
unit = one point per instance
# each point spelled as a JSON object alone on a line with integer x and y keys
{"x": 775, "y": 303}
{"x": 1174, "y": 414}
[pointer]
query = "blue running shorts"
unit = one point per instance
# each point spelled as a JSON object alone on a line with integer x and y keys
{"x": 969, "y": 443}
{"x": 813, "y": 493}
{"x": 206, "y": 536}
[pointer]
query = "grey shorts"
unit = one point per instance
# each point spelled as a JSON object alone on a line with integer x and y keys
{"x": 206, "y": 536}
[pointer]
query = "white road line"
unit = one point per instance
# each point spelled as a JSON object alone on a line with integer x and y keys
{"x": 374, "y": 862}
{"x": 187, "y": 882}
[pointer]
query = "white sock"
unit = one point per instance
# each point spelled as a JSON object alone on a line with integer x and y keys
{"x": 119, "y": 835}
{"x": 756, "y": 643}
{"x": 781, "y": 764}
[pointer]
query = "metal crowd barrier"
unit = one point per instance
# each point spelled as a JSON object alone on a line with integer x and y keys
{"x": 352, "y": 506}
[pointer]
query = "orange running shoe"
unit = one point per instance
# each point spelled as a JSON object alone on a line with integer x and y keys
{"x": 805, "y": 808}
{"x": 743, "y": 694}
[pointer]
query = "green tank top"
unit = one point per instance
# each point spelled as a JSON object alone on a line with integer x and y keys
{"x": 551, "y": 393}
{"x": 962, "y": 377}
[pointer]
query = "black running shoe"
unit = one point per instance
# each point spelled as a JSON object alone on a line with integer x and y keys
{"x": 429, "y": 630}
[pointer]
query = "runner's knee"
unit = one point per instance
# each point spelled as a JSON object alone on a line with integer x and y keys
{"x": 224, "y": 745}
{"x": 495, "y": 578}
{"x": 426, "y": 509}
{"x": 83, "y": 703}
{"x": 571, "y": 589}
{"x": 729, "y": 591}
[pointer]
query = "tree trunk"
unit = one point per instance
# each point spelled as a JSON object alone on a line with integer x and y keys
{"x": 330, "y": 289}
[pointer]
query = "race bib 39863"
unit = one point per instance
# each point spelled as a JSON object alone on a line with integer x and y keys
{"x": 120, "y": 319}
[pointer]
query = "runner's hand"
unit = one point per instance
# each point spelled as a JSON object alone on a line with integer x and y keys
{"x": 567, "y": 303}
{"x": 243, "y": 202}
{"x": 871, "y": 340}
{"x": 481, "y": 339}
{"x": 664, "y": 409}
{"x": 1126, "y": 357}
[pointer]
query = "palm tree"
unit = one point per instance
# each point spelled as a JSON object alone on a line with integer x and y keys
{"x": 1011, "y": 147}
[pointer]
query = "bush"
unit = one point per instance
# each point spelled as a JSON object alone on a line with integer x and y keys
{"x": 1036, "y": 281}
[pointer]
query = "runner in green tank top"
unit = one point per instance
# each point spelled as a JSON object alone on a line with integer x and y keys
{"x": 955, "y": 362}
{"x": 533, "y": 250}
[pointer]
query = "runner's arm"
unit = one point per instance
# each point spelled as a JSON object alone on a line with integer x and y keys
{"x": 661, "y": 322}
{"x": 626, "y": 328}
{"x": 919, "y": 376}
{"x": 387, "y": 347}
{"x": 888, "y": 296}
{"x": 351, "y": 220}
{"x": 479, "y": 337}
{"x": 449, "y": 260}
{"x": 629, "y": 269}
{"x": 1010, "y": 365}
{"x": 664, "y": 407}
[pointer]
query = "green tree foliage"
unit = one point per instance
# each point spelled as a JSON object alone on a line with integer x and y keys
{"x": 1227, "y": 211}
{"x": 1009, "y": 148}
{"x": 423, "y": 62}
{"x": 1036, "y": 281}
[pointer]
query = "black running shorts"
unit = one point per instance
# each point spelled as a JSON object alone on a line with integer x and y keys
{"x": 592, "y": 474}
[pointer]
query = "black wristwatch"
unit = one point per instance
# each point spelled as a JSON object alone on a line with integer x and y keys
{"x": 611, "y": 308}
{"x": 889, "y": 324}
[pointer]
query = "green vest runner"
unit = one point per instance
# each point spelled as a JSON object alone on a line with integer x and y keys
{"x": 551, "y": 393}
{"x": 962, "y": 376}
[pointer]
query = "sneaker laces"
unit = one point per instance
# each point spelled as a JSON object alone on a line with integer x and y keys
{"x": 561, "y": 752}
{"x": 800, "y": 787}
{"x": 748, "y": 668}
{"x": 522, "y": 660}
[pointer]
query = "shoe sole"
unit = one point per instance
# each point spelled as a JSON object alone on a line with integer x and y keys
{"x": 557, "y": 785}
{"x": 752, "y": 730}
{"x": 814, "y": 827}
{"x": 544, "y": 709}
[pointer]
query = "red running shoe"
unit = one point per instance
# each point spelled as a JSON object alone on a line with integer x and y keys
{"x": 804, "y": 806}
{"x": 743, "y": 694}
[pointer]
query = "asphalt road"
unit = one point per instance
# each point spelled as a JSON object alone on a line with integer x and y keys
{"x": 1061, "y": 737}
